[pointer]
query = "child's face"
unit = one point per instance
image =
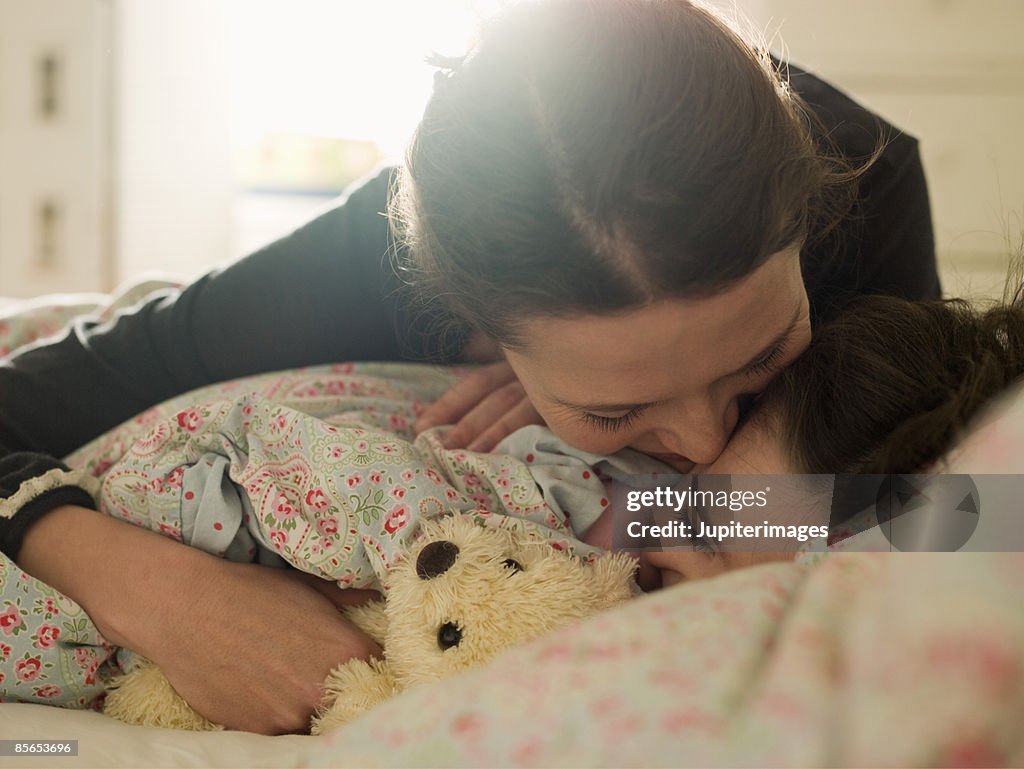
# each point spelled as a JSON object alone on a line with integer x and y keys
{"x": 754, "y": 450}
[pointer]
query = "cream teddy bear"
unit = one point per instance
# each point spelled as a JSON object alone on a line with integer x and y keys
{"x": 462, "y": 594}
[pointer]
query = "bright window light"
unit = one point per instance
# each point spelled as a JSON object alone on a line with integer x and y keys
{"x": 339, "y": 68}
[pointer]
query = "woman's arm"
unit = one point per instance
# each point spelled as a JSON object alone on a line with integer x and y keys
{"x": 886, "y": 243}
{"x": 323, "y": 293}
{"x": 208, "y": 623}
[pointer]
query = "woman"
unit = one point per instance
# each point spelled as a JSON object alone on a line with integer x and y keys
{"x": 622, "y": 197}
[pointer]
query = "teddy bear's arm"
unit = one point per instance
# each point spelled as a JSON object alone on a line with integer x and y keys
{"x": 370, "y": 618}
{"x": 145, "y": 697}
{"x": 352, "y": 689}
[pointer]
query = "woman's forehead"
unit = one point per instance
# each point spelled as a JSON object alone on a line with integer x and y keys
{"x": 657, "y": 344}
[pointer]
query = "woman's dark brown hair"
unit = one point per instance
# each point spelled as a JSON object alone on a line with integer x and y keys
{"x": 591, "y": 156}
{"x": 889, "y": 385}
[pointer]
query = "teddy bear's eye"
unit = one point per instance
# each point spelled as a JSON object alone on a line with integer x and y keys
{"x": 512, "y": 563}
{"x": 448, "y": 636}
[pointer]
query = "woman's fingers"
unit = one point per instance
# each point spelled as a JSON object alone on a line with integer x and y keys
{"x": 492, "y": 408}
{"x": 483, "y": 407}
{"x": 465, "y": 395}
{"x": 489, "y": 431}
{"x": 340, "y": 597}
{"x": 268, "y": 629}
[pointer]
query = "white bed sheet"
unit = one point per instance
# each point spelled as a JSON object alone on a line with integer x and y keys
{"x": 103, "y": 742}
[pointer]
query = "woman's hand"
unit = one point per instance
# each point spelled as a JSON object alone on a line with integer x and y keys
{"x": 484, "y": 406}
{"x": 251, "y": 646}
{"x": 247, "y": 646}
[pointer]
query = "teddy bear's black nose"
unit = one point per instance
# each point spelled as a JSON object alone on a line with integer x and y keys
{"x": 435, "y": 559}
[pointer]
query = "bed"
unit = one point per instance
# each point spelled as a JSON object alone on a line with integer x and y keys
{"x": 844, "y": 658}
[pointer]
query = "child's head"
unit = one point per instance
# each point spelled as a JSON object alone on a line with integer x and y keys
{"x": 887, "y": 387}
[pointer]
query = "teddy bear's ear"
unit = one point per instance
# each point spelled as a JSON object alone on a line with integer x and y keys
{"x": 613, "y": 576}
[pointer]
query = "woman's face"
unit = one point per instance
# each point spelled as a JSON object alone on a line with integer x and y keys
{"x": 666, "y": 378}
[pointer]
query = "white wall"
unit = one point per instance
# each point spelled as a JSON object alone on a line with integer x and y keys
{"x": 951, "y": 72}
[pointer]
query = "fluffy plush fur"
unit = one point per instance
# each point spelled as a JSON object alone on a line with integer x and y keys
{"x": 462, "y": 594}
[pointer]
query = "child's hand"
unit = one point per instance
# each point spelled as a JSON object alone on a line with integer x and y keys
{"x": 484, "y": 406}
{"x": 600, "y": 532}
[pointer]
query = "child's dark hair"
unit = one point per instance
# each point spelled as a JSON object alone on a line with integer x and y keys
{"x": 890, "y": 385}
{"x": 591, "y": 156}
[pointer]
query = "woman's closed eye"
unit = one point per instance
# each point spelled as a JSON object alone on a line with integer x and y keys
{"x": 611, "y": 424}
{"x": 768, "y": 362}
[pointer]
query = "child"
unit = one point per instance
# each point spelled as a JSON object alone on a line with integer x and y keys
{"x": 319, "y": 469}
{"x": 888, "y": 387}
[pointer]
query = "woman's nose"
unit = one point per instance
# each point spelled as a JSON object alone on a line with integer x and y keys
{"x": 701, "y": 433}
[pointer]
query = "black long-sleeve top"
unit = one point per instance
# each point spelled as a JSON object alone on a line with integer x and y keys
{"x": 327, "y": 292}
